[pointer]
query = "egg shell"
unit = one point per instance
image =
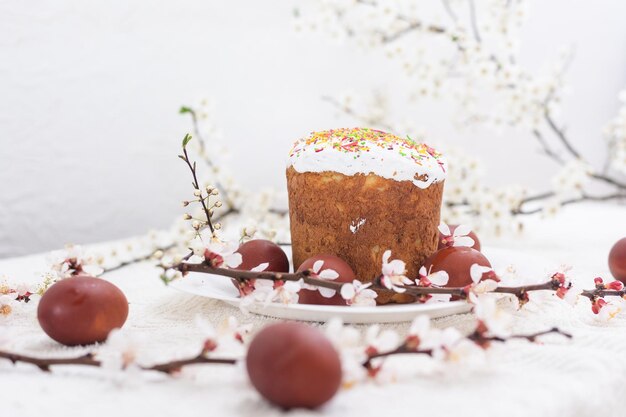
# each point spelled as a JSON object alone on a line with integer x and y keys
{"x": 293, "y": 365}
{"x": 82, "y": 310}
{"x": 456, "y": 261}
{"x": 617, "y": 260}
{"x": 259, "y": 251}
{"x": 330, "y": 262}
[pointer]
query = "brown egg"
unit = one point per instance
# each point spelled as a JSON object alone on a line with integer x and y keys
{"x": 293, "y": 365}
{"x": 471, "y": 234}
{"x": 617, "y": 260}
{"x": 258, "y": 251}
{"x": 330, "y": 262}
{"x": 456, "y": 261}
{"x": 82, "y": 310}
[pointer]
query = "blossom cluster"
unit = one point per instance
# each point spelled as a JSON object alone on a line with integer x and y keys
{"x": 468, "y": 54}
{"x": 124, "y": 351}
{"x": 485, "y": 285}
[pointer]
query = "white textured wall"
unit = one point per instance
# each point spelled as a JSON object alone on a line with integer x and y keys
{"x": 89, "y": 92}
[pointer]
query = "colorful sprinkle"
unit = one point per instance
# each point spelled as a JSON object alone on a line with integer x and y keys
{"x": 359, "y": 140}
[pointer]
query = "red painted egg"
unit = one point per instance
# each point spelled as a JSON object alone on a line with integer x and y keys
{"x": 456, "y": 261}
{"x": 346, "y": 274}
{"x": 617, "y": 260}
{"x": 82, "y": 310}
{"x": 259, "y": 251}
{"x": 294, "y": 365}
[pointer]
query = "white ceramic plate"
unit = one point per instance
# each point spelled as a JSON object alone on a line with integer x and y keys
{"x": 220, "y": 288}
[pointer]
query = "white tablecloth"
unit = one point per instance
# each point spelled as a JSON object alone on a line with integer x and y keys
{"x": 584, "y": 377}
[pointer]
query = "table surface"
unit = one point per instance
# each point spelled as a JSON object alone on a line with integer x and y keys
{"x": 583, "y": 377}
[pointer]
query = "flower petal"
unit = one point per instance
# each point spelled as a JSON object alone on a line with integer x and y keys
{"x": 444, "y": 229}
{"x": 328, "y": 274}
{"x": 261, "y": 267}
{"x": 439, "y": 278}
{"x": 477, "y": 271}
{"x": 398, "y": 267}
{"x": 422, "y": 272}
{"x": 317, "y": 266}
{"x": 327, "y": 292}
{"x": 463, "y": 241}
{"x": 386, "y": 256}
{"x": 233, "y": 260}
{"x": 348, "y": 291}
{"x": 462, "y": 230}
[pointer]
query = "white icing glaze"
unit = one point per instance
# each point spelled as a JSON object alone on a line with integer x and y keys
{"x": 355, "y": 225}
{"x": 365, "y": 151}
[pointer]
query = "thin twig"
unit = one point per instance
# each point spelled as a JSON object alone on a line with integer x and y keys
{"x": 89, "y": 360}
{"x": 196, "y": 185}
{"x": 138, "y": 259}
{"x": 546, "y": 149}
{"x": 473, "y": 21}
{"x": 585, "y": 197}
{"x": 205, "y": 157}
{"x": 560, "y": 133}
{"x": 449, "y": 11}
{"x": 480, "y": 338}
{"x": 477, "y": 337}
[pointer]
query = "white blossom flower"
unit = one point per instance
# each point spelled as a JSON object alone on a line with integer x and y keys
{"x": 421, "y": 335}
{"x": 380, "y": 340}
{"x": 267, "y": 291}
{"x": 120, "y": 352}
{"x": 73, "y": 261}
{"x": 443, "y": 342}
{"x": 479, "y": 285}
{"x": 347, "y": 341}
{"x": 222, "y": 254}
{"x": 393, "y": 274}
{"x": 572, "y": 178}
{"x": 607, "y": 310}
{"x": 437, "y": 279}
{"x": 358, "y": 294}
{"x": 426, "y": 279}
{"x": 465, "y": 352}
{"x": 495, "y": 319}
{"x": 233, "y": 329}
{"x": 326, "y": 274}
{"x": 208, "y": 334}
{"x": 457, "y": 238}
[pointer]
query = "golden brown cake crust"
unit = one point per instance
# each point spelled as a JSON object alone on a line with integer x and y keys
{"x": 358, "y": 217}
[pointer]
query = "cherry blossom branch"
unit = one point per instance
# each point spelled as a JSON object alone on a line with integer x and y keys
{"x": 308, "y": 278}
{"x": 413, "y": 25}
{"x": 205, "y": 157}
{"x": 559, "y": 132}
{"x": 88, "y": 359}
{"x": 480, "y": 338}
{"x": 411, "y": 344}
{"x": 584, "y": 197}
{"x": 138, "y": 259}
{"x": 243, "y": 276}
{"x": 557, "y": 283}
{"x": 196, "y": 184}
{"x": 45, "y": 364}
{"x": 404, "y": 348}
